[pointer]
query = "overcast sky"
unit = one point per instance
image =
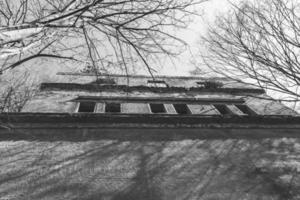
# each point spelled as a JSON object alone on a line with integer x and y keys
{"x": 210, "y": 10}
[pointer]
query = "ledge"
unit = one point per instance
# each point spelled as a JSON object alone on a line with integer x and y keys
{"x": 96, "y": 87}
{"x": 161, "y": 99}
{"x": 147, "y": 118}
{"x": 137, "y": 127}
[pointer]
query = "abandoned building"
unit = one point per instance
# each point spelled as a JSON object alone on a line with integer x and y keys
{"x": 118, "y": 137}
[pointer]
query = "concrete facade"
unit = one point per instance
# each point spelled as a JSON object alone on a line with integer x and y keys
{"x": 216, "y": 150}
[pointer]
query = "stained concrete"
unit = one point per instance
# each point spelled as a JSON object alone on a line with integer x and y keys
{"x": 41, "y": 166}
{"x": 132, "y": 170}
{"x": 63, "y": 101}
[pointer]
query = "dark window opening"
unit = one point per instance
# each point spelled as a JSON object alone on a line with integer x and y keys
{"x": 156, "y": 83}
{"x": 201, "y": 84}
{"x": 245, "y": 109}
{"x": 86, "y": 107}
{"x": 209, "y": 84}
{"x": 112, "y": 108}
{"x": 157, "y": 108}
{"x": 182, "y": 109}
{"x": 104, "y": 81}
{"x": 223, "y": 109}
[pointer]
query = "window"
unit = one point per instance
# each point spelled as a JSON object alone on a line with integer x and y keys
{"x": 104, "y": 81}
{"x": 182, "y": 109}
{"x": 201, "y": 84}
{"x": 245, "y": 109}
{"x": 156, "y": 83}
{"x": 209, "y": 84}
{"x": 112, "y": 108}
{"x": 223, "y": 110}
{"x": 86, "y": 107}
{"x": 157, "y": 108}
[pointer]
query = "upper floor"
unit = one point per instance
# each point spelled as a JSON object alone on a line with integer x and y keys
{"x": 188, "y": 82}
{"x": 117, "y": 94}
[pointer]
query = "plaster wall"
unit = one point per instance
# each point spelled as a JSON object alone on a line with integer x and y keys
{"x": 135, "y": 170}
{"x": 122, "y": 80}
{"x": 119, "y": 169}
{"x": 62, "y": 101}
{"x": 186, "y": 82}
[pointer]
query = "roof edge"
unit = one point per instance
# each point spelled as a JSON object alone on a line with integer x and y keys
{"x": 142, "y": 76}
{"x": 96, "y": 87}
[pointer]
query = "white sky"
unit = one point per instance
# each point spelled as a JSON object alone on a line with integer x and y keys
{"x": 191, "y": 35}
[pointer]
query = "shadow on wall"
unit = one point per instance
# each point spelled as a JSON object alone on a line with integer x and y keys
{"x": 133, "y": 170}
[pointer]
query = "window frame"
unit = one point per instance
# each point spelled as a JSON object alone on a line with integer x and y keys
{"x": 188, "y": 111}
{"x": 249, "y": 111}
{"x": 111, "y": 103}
{"x": 164, "y": 108}
{"x": 227, "y": 109}
{"x": 82, "y": 102}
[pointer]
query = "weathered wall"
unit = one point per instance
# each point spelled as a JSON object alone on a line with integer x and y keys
{"x": 153, "y": 170}
{"x": 142, "y": 80}
{"x": 61, "y": 101}
{"x": 132, "y": 170}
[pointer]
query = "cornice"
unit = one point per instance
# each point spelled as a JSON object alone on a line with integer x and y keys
{"x": 138, "y": 127}
{"x": 172, "y": 119}
{"x": 98, "y": 88}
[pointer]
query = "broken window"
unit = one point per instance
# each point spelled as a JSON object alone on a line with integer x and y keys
{"x": 182, "y": 109}
{"x": 156, "y": 83}
{"x": 86, "y": 107}
{"x": 245, "y": 109}
{"x": 112, "y": 108}
{"x": 157, "y": 108}
{"x": 223, "y": 109}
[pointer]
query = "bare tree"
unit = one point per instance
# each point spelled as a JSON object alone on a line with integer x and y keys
{"x": 258, "y": 42}
{"x": 15, "y": 91}
{"x": 100, "y": 33}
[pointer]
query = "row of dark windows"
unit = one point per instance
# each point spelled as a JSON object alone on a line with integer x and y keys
{"x": 157, "y": 108}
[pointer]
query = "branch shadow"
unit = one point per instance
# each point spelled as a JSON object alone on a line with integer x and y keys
{"x": 133, "y": 170}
